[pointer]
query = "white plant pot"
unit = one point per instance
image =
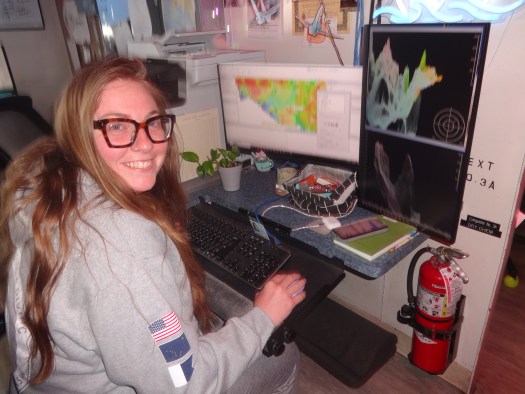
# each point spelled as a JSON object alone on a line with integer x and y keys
{"x": 231, "y": 178}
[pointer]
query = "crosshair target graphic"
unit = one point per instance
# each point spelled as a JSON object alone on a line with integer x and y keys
{"x": 449, "y": 125}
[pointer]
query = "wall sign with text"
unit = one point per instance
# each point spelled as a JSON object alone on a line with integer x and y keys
{"x": 20, "y": 15}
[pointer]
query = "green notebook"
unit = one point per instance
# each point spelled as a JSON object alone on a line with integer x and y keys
{"x": 373, "y": 246}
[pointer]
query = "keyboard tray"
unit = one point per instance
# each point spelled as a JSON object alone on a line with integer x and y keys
{"x": 321, "y": 276}
{"x": 234, "y": 246}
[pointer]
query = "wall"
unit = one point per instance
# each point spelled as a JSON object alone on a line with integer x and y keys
{"x": 290, "y": 48}
{"x": 39, "y": 60}
{"x": 491, "y": 193}
{"x": 498, "y": 156}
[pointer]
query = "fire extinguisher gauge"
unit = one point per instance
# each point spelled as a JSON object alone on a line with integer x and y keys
{"x": 450, "y": 253}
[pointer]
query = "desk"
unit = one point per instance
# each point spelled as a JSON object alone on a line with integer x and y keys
{"x": 319, "y": 260}
{"x": 258, "y": 188}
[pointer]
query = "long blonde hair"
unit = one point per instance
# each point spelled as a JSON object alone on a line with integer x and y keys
{"x": 49, "y": 174}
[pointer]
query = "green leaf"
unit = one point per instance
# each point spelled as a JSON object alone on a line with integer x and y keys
{"x": 192, "y": 157}
{"x": 218, "y": 156}
{"x": 423, "y": 62}
{"x": 200, "y": 171}
{"x": 224, "y": 162}
{"x": 406, "y": 79}
{"x": 207, "y": 168}
{"x": 214, "y": 154}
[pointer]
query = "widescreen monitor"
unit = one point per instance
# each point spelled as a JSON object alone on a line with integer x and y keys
{"x": 295, "y": 112}
{"x": 421, "y": 86}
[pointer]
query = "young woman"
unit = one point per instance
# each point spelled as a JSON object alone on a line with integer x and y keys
{"x": 103, "y": 292}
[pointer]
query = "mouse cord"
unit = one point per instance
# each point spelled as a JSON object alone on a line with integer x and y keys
{"x": 303, "y": 213}
{"x": 274, "y": 238}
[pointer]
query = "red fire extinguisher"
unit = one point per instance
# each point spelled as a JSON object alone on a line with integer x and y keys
{"x": 436, "y": 313}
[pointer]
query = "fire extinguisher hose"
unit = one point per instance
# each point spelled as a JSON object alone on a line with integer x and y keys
{"x": 410, "y": 276}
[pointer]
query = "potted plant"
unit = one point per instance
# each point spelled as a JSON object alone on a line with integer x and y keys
{"x": 221, "y": 160}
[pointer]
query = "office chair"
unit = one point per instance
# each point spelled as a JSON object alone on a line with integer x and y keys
{"x": 20, "y": 125}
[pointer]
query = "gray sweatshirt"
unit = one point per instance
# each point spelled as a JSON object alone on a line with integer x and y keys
{"x": 121, "y": 316}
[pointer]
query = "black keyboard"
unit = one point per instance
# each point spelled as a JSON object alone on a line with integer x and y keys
{"x": 233, "y": 246}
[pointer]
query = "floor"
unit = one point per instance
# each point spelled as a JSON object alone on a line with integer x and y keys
{"x": 4, "y": 365}
{"x": 396, "y": 376}
{"x": 501, "y": 366}
{"x": 501, "y": 363}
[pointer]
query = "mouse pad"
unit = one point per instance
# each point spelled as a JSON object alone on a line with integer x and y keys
{"x": 345, "y": 344}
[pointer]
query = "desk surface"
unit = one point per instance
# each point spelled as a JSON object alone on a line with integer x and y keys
{"x": 257, "y": 195}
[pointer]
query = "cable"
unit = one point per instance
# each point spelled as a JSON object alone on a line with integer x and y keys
{"x": 331, "y": 36}
{"x": 303, "y": 213}
{"x": 275, "y": 239}
{"x": 359, "y": 25}
{"x": 371, "y": 16}
{"x": 266, "y": 203}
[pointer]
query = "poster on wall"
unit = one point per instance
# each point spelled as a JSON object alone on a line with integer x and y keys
{"x": 20, "y": 15}
{"x": 335, "y": 14}
{"x": 264, "y": 18}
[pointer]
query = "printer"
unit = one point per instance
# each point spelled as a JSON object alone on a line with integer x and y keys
{"x": 186, "y": 71}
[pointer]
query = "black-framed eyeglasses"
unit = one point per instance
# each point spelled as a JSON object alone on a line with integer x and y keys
{"x": 122, "y": 132}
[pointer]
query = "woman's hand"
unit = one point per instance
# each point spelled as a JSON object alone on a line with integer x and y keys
{"x": 280, "y": 295}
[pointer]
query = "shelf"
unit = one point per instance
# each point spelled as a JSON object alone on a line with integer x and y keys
{"x": 196, "y": 33}
{"x": 258, "y": 189}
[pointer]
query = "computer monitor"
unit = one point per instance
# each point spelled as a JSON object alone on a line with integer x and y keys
{"x": 7, "y": 84}
{"x": 421, "y": 87}
{"x": 293, "y": 112}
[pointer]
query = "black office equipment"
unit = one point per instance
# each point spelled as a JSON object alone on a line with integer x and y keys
{"x": 20, "y": 125}
{"x": 347, "y": 345}
{"x": 170, "y": 78}
{"x": 233, "y": 247}
{"x": 322, "y": 276}
{"x": 421, "y": 86}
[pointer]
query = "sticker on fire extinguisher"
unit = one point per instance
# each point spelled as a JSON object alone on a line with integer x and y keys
{"x": 453, "y": 286}
{"x": 441, "y": 304}
{"x": 423, "y": 339}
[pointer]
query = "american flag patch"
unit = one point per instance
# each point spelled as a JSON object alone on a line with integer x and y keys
{"x": 164, "y": 328}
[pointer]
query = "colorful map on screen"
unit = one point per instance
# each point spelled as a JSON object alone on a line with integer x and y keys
{"x": 290, "y": 103}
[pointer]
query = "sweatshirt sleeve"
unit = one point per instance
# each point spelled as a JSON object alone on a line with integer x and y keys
{"x": 141, "y": 315}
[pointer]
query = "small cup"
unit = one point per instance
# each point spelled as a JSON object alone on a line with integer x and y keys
{"x": 263, "y": 163}
{"x": 284, "y": 174}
